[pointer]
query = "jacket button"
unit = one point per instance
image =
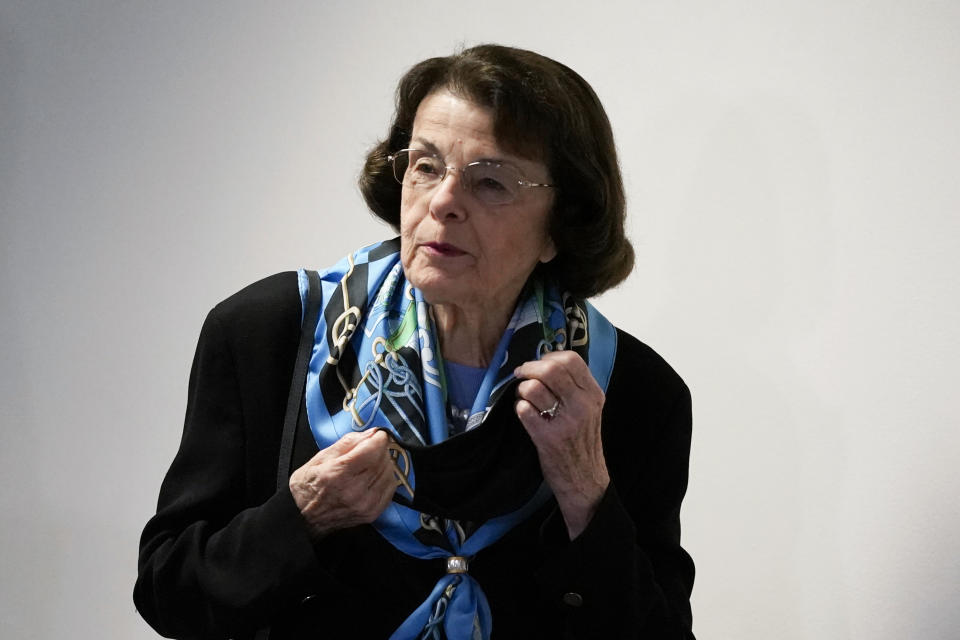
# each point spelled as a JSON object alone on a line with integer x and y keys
{"x": 572, "y": 599}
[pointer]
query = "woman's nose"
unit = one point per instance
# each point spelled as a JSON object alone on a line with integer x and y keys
{"x": 449, "y": 197}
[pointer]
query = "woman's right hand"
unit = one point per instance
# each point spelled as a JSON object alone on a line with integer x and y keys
{"x": 349, "y": 483}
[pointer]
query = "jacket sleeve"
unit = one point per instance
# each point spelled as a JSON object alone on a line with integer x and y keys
{"x": 626, "y": 575}
{"x": 211, "y": 564}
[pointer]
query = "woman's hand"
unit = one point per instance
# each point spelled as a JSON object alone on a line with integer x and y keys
{"x": 568, "y": 444}
{"x": 350, "y": 482}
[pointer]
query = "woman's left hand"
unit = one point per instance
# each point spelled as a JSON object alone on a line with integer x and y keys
{"x": 568, "y": 444}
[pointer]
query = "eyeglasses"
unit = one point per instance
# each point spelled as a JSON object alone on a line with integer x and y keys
{"x": 490, "y": 182}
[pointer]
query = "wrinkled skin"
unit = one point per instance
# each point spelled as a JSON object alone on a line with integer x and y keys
{"x": 346, "y": 484}
{"x": 569, "y": 444}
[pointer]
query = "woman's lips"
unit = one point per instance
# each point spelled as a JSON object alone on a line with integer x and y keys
{"x": 443, "y": 249}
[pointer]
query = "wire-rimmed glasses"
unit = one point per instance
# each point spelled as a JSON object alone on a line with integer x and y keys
{"x": 490, "y": 182}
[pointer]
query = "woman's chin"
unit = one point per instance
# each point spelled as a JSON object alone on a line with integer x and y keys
{"x": 443, "y": 293}
{"x": 441, "y": 286}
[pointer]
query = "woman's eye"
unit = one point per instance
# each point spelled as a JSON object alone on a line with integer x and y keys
{"x": 490, "y": 184}
{"x": 425, "y": 167}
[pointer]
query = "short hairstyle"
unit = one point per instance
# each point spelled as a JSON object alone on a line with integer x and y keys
{"x": 542, "y": 110}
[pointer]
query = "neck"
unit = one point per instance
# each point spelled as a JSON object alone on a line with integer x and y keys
{"x": 469, "y": 336}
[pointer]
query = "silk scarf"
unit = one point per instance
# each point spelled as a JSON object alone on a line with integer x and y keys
{"x": 376, "y": 364}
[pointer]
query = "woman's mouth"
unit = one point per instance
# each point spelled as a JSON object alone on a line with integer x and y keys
{"x": 443, "y": 249}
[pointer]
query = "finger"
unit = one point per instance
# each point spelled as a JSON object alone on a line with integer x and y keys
{"x": 563, "y": 385}
{"x": 352, "y": 452}
{"x": 382, "y": 491}
{"x": 389, "y": 465}
{"x": 346, "y": 443}
{"x": 562, "y": 371}
{"x": 530, "y": 418}
{"x": 377, "y": 492}
{"x": 369, "y": 453}
{"x": 538, "y": 394}
{"x": 566, "y": 368}
{"x": 551, "y": 395}
{"x": 375, "y": 477}
{"x": 390, "y": 479}
{"x": 334, "y": 450}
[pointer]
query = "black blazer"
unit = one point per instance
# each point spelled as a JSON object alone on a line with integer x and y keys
{"x": 226, "y": 553}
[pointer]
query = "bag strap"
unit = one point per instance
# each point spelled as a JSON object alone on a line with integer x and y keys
{"x": 298, "y": 382}
{"x": 292, "y": 416}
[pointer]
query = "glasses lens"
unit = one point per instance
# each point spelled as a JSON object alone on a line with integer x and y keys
{"x": 491, "y": 182}
{"x": 417, "y": 168}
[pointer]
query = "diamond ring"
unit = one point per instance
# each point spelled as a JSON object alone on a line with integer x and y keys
{"x": 550, "y": 414}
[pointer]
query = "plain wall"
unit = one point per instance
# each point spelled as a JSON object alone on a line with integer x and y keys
{"x": 793, "y": 194}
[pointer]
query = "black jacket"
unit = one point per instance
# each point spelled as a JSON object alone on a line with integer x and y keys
{"x": 226, "y": 553}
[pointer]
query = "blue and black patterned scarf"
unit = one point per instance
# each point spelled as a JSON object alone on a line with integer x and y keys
{"x": 376, "y": 364}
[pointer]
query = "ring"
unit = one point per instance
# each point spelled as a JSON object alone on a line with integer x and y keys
{"x": 551, "y": 413}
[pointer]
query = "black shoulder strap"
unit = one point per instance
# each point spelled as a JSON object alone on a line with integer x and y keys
{"x": 298, "y": 382}
{"x": 291, "y": 418}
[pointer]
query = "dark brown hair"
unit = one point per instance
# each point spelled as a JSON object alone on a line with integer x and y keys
{"x": 543, "y": 111}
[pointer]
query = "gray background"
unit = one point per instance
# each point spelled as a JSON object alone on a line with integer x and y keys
{"x": 792, "y": 178}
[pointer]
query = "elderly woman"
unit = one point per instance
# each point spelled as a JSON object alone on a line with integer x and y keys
{"x": 475, "y": 450}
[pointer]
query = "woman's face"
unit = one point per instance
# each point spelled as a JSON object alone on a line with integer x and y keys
{"x": 454, "y": 248}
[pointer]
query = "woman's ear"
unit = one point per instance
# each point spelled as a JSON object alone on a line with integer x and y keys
{"x": 549, "y": 251}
